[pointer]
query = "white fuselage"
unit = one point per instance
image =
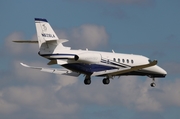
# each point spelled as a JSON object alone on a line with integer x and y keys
{"x": 87, "y": 62}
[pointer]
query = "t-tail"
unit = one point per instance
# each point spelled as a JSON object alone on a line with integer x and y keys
{"x": 47, "y": 38}
{"x": 48, "y": 41}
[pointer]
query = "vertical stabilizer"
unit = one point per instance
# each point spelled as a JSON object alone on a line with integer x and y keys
{"x": 47, "y": 38}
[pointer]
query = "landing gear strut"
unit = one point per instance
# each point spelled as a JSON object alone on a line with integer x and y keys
{"x": 87, "y": 80}
{"x": 106, "y": 81}
{"x": 153, "y": 82}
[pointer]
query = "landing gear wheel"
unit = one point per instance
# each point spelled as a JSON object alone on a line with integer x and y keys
{"x": 106, "y": 81}
{"x": 153, "y": 84}
{"x": 87, "y": 81}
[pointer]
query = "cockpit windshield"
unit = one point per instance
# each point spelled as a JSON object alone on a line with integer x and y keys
{"x": 150, "y": 61}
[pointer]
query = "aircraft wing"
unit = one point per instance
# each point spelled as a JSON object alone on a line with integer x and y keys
{"x": 115, "y": 72}
{"x": 53, "y": 70}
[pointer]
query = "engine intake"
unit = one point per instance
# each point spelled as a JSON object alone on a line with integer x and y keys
{"x": 76, "y": 57}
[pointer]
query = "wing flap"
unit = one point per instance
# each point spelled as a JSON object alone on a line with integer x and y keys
{"x": 124, "y": 70}
{"x": 53, "y": 70}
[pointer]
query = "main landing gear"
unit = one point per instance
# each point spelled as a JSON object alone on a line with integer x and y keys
{"x": 87, "y": 80}
{"x": 106, "y": 81}
{"x": 153, "y": 82}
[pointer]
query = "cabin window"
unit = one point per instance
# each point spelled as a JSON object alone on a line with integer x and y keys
{"x": 114, "y": 59}
{"x": 118, "y": 60}
{"x": 127, "y": 61}
{"x": 123, "y": 60}
{"x": 132, "y": 61}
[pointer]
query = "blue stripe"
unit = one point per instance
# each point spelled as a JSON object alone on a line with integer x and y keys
{"x": 103, "y": 61}
{"x": 118, "y": 64}
{"x": 40, "y": 19}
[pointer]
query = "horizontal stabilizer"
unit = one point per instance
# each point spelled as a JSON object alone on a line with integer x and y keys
{"x": 35, "y": 41}
{"x": 53, "y": 70}
{"x": 24, "y": 41}
{"x": 62, "y": 40}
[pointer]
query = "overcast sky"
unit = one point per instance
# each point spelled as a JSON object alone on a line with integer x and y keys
{"x": 146, "y": 27}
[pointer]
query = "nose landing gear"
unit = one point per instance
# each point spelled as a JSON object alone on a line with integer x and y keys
{"x": 153, "y": 84}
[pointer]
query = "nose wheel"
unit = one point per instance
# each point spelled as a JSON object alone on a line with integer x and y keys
{"x": 153, "y": 84}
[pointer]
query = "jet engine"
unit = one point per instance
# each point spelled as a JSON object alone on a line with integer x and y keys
{"x": 88, "y": 57}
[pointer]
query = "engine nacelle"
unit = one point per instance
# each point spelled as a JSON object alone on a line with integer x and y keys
{"x": 88, "y": 57}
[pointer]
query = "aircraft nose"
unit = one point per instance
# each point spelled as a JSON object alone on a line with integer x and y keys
{"x": 161, "y": 71}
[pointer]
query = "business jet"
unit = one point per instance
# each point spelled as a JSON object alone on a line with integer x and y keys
{"x": 89, "y": 63}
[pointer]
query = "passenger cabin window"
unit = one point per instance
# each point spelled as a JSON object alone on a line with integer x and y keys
{"x": 132, "y": 61}
{"x": 127, "y": 61}
{"x": 123, "y": 60}
{"x": 118, "y": 60}
{"x": 114, "y": 59}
